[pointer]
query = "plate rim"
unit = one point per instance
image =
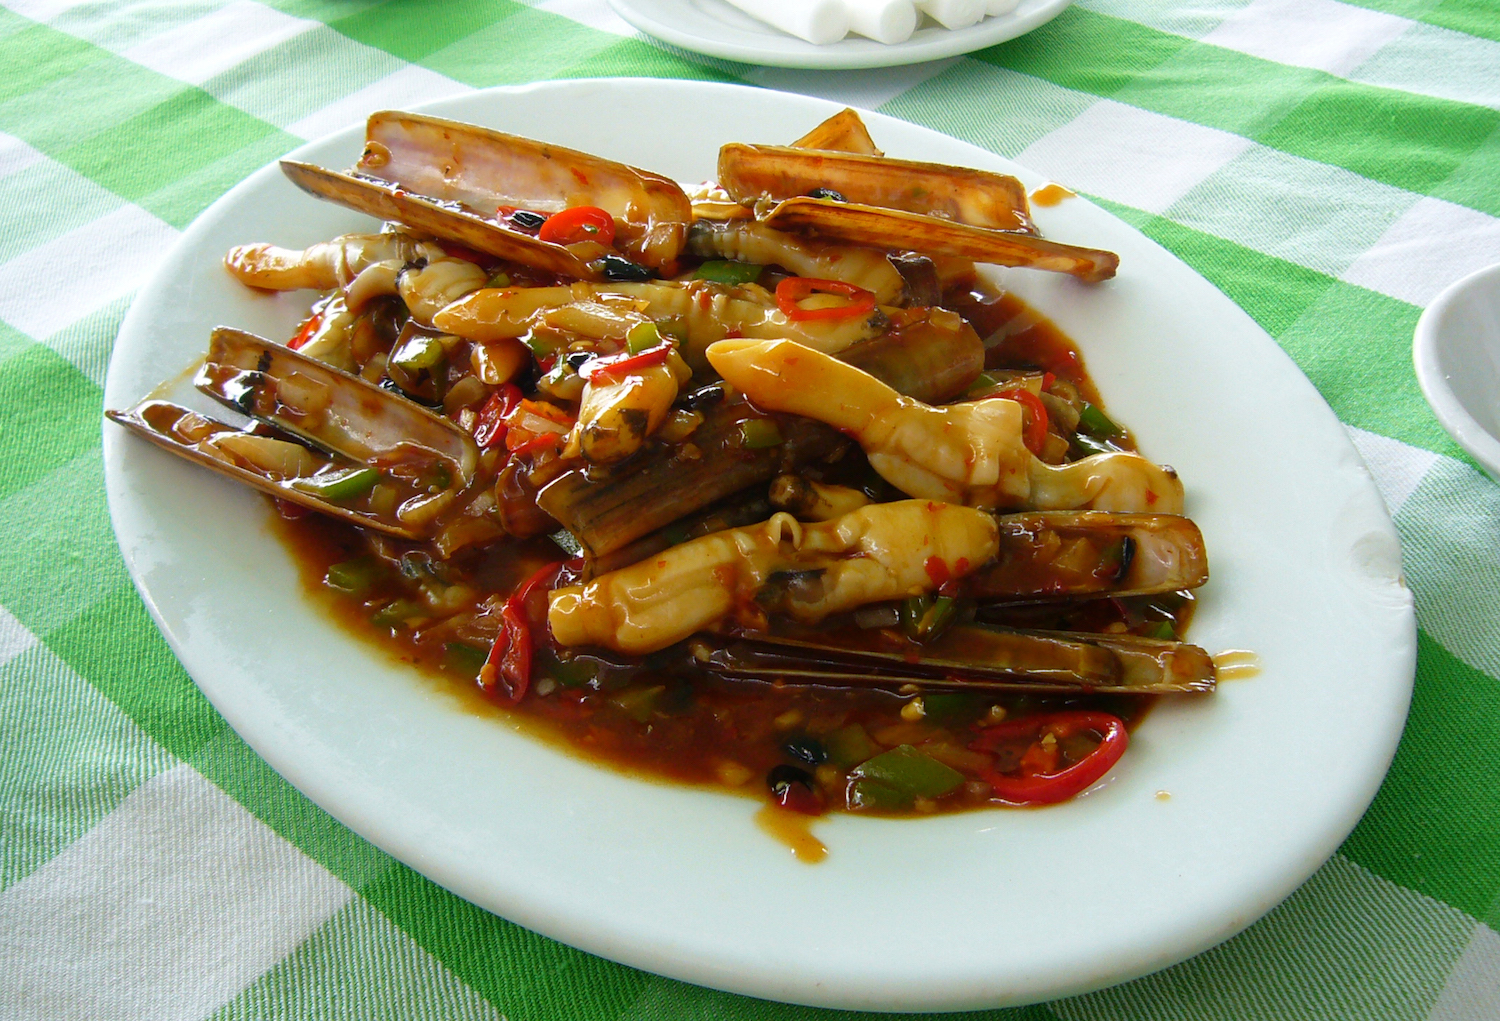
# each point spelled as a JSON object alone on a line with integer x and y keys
{"x": 680, "y": 962}
{"x": 851, "y": 53}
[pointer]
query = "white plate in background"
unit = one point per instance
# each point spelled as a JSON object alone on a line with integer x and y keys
{"x": 978, "y": 909}
{"x": 718, "y": 29}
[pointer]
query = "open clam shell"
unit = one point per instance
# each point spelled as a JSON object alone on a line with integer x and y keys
{"x": 329, "y": 408}
{"x": 897, "y": 230}
{"x": 485, "y": 170}
{"x": 975, "y": 658}
{"x": 750, "y": 173}
{"x": 214, "y": 444}
{"x": 445, "y": 220}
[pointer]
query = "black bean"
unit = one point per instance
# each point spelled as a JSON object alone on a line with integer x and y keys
{"x": 782, "y": 777}
{"x": 616, "y": 267}
{"x": 704, "y": 397}
{"x": 577, "y": 359}
{"x": 826, "y": 193}
{"x": 805, "y": 749}
{"x": 526, "y": 219}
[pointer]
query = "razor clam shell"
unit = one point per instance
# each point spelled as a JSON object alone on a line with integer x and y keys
{"x": 845, "y": 131}
{"x": 977, "y": 658}
{"x": 750, "y": 173}
{"x": 431, "y": 216}
{"x": 361, "y": 422}
{"x": 896, "y": 230}
{"x": 1167, "y": 555}
{"x": 484, "y": 169}
{"x": 145, "y": 420}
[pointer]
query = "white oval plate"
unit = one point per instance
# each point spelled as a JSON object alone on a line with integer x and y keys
{"x": 1266, "y": 777}
{"x": 720, "y": 30}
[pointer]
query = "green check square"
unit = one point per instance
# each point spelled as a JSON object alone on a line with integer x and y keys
{"x": 165, "y": 143}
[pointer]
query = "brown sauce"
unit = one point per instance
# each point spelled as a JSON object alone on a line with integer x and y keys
{"x": 1236, "y": 664}
{"x": 1050, "y": 195}
{"x": 794, "y": 830}
{"x": 665, "y": 717}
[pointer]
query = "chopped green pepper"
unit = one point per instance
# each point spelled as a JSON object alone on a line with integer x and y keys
{"x": 909, "y": 772}
{"x": 848, "y": 746}
{"x": 1096, "y": 423}
{"x": 982, "y": 382}
{"x": 642, "y": 337}
{"x": 952, "y": 707}
{"x": 1163, "y": 630}
{"x": 724, "y": 271}
{"x": 397, "y": 612}
{"x": 935, "y": 620}
{"x": 341, "y": 484}
{"x": 1086, "y": 443}
{"x": 353, "y": 577}
{"x": 638, "y": 703}
{"x": 462, "y": 658}
{"x": 864, "y": 795}
{"x": 419, "y": 353}
{"x": 500, "y": 279}
{"x": 759, "y": 434}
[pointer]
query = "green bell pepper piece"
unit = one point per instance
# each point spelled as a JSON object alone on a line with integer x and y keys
{"x": 908, "y": 771}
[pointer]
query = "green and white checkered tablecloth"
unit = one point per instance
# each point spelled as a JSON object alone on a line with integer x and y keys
{"x": 1331, "y": 166}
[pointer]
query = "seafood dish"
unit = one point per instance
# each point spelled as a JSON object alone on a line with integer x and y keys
{"x": 760, "y": 484}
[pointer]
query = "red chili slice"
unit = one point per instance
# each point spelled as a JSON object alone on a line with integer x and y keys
{"x": 509, "y": 661}
{"x": 489, "y": 425}
{"x": 794, "y": 289}
{"x": 1035, "y": 436}
{"x": 306, "y": 331}
{"x": 612, "y": 368}
{"x": 1042, "y": 788}
{"x": 578, "y": 223}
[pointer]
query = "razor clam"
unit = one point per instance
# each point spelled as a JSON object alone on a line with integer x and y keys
{"x": 971, "y": 657}
{"x": 329, "y": 408}
{"x": 757, "y": 173}
{"x": 445, "y": 220}
{"x": 843, "y": 132}
{"x": 1076, "y": 554}
{"x": 486, "y": 170}
{"x": 249, "y": 459}
{"x": 896, "y": 230}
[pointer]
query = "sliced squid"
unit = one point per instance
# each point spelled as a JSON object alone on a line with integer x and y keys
{"x": 748, "y": 241}
{"x": 880, "y": 552}
{"x": 701, "y": 313}
{"x": 970, "y": 453}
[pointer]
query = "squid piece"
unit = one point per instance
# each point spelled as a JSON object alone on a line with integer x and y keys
{"x": 843, "y": 132}
{"x": 326, "y": 265}
{"x": 895, "y": 230}
{"x": 970, "y": 453}
{"x": 607, "y": 510}
{"x": 758, "y": 173}
{"x": 876, "y": 553}
{"x": 616, "y": 415}
{"x": 746, "y": 241}
{"x": 287, "y": 471}
{"x": 365, "y": 266}
{"x": 807, "y": 500}
{"x": 973, "y": 658}
{"x": 485, "y": 170}
{"x": 701, "y": 312}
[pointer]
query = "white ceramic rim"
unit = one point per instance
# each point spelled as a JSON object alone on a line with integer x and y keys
{"x": 1427, "y": 356}
{"x": 933, "y": 914}
{"x": 683, "y": 23}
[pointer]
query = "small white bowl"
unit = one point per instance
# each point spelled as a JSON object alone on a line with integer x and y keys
{"x": 1457, "y": 355}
